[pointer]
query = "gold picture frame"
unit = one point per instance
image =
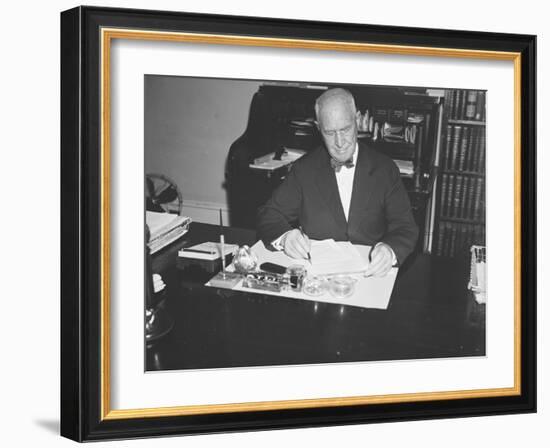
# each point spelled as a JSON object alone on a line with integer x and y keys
{"x": 89, "y": 29}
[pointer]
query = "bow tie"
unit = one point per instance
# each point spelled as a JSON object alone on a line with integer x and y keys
{"x": 338, "y": 165}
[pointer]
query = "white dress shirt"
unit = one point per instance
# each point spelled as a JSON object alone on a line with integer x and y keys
{"x": 344, "y": 179}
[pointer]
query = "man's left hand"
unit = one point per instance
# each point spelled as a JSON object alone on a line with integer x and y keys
{"x": 381, "y": 260}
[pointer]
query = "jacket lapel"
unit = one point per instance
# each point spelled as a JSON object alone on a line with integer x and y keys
{"x": 328, "y": 188}
{"x": 363, "y": 185}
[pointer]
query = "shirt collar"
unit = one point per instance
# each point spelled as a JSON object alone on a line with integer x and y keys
{"x": 355, "y": 152}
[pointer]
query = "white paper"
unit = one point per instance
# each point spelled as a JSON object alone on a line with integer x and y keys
{"x": 329, "y": 256}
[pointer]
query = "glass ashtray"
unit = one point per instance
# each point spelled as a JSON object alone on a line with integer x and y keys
{"x": 314, "y": 286}
{"x": 342, "y": 286}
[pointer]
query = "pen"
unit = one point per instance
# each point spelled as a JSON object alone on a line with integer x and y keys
{"x": 198, "y": 251}
{"x": 302, "y": 232}
{"x": 222, "y": 243}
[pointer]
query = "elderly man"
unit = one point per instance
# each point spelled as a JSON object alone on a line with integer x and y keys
{"x": 343, "y": 190}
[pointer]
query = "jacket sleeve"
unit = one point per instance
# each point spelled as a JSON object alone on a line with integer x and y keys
{"x": 281, "y": 212}
{"x": 402, "y": 232}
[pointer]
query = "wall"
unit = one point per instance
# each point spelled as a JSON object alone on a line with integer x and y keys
{"x": 190, "y": 123}
{"x": 30, "y": 174}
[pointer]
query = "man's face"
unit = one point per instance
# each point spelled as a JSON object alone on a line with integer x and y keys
{"x": 338, "y": 126}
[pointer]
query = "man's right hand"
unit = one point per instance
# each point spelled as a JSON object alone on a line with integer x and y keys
{"x": 296, "y": 244}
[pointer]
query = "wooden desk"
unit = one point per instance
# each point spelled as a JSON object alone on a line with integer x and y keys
{"x": 428, "y": 317}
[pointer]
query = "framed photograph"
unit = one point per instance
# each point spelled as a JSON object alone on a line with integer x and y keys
{"x": 275, "y": 224}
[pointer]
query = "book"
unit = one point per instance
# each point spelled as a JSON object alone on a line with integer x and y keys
{"x": 456, "y": 197}
{"x": 471, "y": 150}
{"x": 448, "y": 140}
{"x": 442, "y": 201}
{"x": 450, "y": 192}
{"x": 470, "y": 203}
{"x": 165, "y": 228}
{"x": 463, "y": 196}
{"x": 456, "y": 144}
{"x": 464, "y": 96}
{"x": 463, "y": 147}
{"x": 458, "y": 105}
{"x": 481, "y": 149}
{"x": 477, "y": 205}
{"x": 452, "y": 103}
{"x": 207, "y": 251}
{"x": 471, "y": 103}
{"x": 480, "y": 107}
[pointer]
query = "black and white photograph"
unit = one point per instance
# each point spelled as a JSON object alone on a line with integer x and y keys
{"x": 294, "y": 223}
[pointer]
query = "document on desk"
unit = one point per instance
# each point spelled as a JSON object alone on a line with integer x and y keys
{"x": 329, "y": 258}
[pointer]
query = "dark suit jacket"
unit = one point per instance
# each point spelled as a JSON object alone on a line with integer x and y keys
{"x": 380, "y": 210}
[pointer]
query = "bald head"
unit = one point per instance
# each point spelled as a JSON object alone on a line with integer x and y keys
{"x": 337, "y": 121}
{"x": 335, "y": 98}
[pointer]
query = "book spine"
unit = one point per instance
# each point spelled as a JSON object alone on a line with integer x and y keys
{"x": 448, "y": 140}
{"x": 463, "y": 148}
{"x": 470, "y": 150}
{"x": 456, "y": 197}
{"x": 480, "y": 107}
{"x": 463, "y": 196}
{"x": 464, "y": 95}
{"x": 449, "y": 195}
{"x": 447, "y": 105}
{"x": 481, "y": 149}
{"x": 452, "y": 107}
{"x": 458, "y": 108}
{"x": 471, "y": 195}
{"x": 477, "y": 198}
{"x": 476, "y": 151}
{"x": 443, "y": 197}
{"x": 471, "y": 102}
{"x": 456, "y": 144}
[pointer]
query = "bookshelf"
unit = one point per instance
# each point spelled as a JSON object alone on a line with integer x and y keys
{"x": 460, "y": 187}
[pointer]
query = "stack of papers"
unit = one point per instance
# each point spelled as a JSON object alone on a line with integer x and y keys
{"x": 165, "y": 228}
{"x": 207, "y": 251}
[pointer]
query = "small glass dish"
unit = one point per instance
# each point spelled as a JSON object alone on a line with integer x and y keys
{"x": 342, "y": 286}
{"x": 315, "y": 286}
{"x": 245, "y": 260}
{"x": 295, "y": 274}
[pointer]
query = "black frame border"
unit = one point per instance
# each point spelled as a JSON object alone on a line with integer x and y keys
{"x": 81, "y": 223}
